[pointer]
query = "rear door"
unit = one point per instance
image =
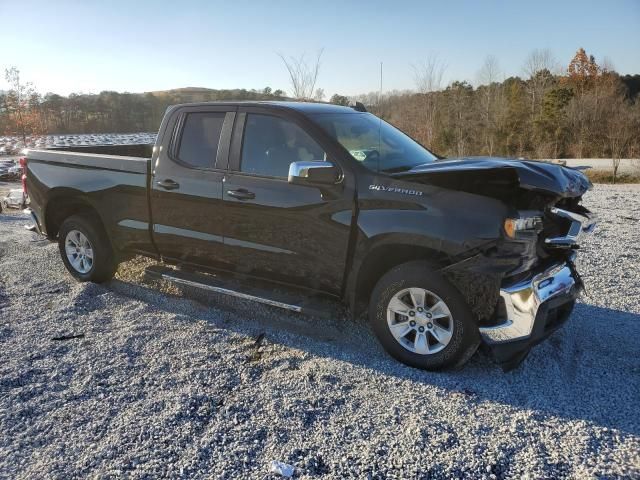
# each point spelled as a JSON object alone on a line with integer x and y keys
{"x": 291, "y": 233}
{"x": 186, "y": 186}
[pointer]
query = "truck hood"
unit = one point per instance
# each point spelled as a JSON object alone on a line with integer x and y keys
{"x": 526, "y": 174}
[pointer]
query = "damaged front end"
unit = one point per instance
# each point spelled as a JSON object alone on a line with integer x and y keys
{"x": 529, "y": 310}
{"x": 536, "y": 302}
{"x": 523, "y": 286}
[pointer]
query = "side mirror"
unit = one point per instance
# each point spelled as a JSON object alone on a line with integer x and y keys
{"x": 313, "y": 173}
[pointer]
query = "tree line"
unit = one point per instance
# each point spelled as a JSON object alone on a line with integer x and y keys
{"x": 583, "y": 110}
{"x": 23, "y": 112}
{"x": 587, "y": 111}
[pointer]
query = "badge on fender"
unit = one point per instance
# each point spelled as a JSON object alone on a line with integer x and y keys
{"x": 404, "y": 191}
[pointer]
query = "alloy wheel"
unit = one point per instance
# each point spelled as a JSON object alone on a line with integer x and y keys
{"x": 420, "y": 321}
{"x": 79, "y": 251}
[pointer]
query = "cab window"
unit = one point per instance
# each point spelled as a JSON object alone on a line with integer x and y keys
{"x": 200, "y": 138}
{"x": 271, "y": 144}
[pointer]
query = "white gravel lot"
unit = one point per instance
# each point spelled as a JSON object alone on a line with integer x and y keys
{"x": 164, "y": 385}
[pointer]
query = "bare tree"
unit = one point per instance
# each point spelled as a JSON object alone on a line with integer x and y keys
{"x": 428, "y": 78}
{"x": 539, "y": 60}
{"x": 606, "y": 65}
{"x": 20, "y": 102}
{"x": 539, "y": 67}
{"x": 619, "y": 130}
{"x": 490, "y": 71}
{"x": 488, "y": 78}
{"x": 302, "y": 75}
{"x": 428, "y": 74}
{"x": 459, "y": 111}
{"x": 319, "y": 95}
{"x": 580, "y": 111}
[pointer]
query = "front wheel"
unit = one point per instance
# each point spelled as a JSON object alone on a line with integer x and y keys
{"x": 421, "y": 319}
{"x": 86, "y": 250}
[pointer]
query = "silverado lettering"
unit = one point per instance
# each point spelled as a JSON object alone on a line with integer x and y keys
{"x": 395, "y": 190}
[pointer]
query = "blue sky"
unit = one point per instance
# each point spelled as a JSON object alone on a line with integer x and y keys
{"x": 89, "y": 46}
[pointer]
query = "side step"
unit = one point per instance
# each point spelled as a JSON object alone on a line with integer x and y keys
{"x": 247, "y": 290}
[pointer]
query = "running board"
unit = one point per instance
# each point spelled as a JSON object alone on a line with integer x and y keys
{"x": 233, "y": 288}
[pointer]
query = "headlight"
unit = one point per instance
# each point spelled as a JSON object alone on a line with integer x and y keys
{"x": 523, "y": 223}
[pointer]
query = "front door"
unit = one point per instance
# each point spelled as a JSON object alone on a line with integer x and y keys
{"x": 186, "y": 188}
{"x": 291, "y": 233}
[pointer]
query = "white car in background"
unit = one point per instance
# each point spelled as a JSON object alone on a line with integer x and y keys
{"x": 14, "y": 199}
{"x": 15, "y": 172}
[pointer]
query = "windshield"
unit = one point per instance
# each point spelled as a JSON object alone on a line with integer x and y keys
{"x": 374, "y": 143}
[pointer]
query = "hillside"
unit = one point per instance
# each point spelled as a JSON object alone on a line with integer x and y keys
{"x": 201, "y": 94}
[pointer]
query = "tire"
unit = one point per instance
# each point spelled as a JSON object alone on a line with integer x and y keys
{"x": 102, "y": 265}
{"x": 452, "y": 321}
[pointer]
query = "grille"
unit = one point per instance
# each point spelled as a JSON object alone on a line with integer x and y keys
{"x": 563, "y": 228}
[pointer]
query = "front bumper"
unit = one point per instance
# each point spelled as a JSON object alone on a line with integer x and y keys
{"x": 530, "y": 310}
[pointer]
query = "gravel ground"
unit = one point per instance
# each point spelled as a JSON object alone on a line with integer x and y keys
{"x": 162, "y": 384}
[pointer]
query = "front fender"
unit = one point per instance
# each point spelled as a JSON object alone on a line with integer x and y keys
{"x": 441, "y": 226}
{"x": 446, "y": 221}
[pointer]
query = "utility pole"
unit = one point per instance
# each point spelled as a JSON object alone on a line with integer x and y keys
{"x": 380, "y": 94}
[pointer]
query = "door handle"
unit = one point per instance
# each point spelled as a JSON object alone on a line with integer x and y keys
{"x": 241, "y": 194}
{"x": 168, "y": 184}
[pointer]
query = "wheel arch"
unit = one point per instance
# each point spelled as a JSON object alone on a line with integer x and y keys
{"x": 64, "y": 203}
{"x": 378, "y": 261}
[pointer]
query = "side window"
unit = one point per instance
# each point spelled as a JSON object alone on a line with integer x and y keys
{"x": 200, "y": 137}
{"x": 271, "y": 144}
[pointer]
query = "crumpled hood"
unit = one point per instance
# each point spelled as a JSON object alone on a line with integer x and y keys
{"x": 531, "y": 175}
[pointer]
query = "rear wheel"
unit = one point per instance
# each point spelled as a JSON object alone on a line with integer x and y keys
{"x": 85, "y": 250}
{"x": 421, "y": 319}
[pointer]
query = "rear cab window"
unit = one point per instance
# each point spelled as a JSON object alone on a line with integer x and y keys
{"x": 200, "y": 139}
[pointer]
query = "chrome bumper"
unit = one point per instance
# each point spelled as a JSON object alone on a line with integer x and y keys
{"x": 35, "y": 226}
{"x": 523, "y": 299}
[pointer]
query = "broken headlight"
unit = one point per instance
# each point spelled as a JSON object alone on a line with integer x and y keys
{"x": 526, "y": 221}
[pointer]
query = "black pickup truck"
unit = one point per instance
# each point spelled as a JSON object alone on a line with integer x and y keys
{"x": 284, "y": 203}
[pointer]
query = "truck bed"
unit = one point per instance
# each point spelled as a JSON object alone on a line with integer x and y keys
{"x": 113, "y": 186}
{"x": 143, "y": 150}
{"x": 94, "y": 160}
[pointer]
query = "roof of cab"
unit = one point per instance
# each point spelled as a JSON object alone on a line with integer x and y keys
{"x": 302, "y": 107}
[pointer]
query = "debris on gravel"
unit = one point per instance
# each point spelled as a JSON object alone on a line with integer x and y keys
{"x": 282, "y": 469}
{"x": 137, "y": 380}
